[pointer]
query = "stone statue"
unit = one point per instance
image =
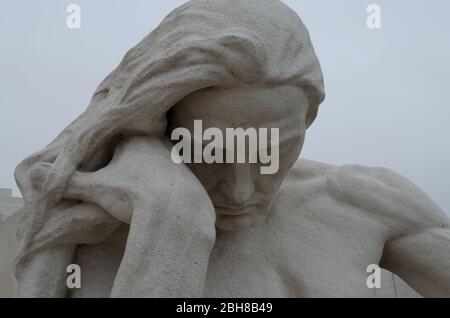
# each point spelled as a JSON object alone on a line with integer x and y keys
{"x": 106, "y": 194}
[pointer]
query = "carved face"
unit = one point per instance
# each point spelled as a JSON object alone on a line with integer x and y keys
{"x": 240, "y": 193}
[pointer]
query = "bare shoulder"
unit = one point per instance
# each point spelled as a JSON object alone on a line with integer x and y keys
{"x": 388, "y": 196}
{"x": 384, "y": 194}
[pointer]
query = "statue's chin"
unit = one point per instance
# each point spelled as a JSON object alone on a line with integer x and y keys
{"x": 238, "y": 222}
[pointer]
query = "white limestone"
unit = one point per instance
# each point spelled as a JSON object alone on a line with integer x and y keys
{"x": 105, "y": 193}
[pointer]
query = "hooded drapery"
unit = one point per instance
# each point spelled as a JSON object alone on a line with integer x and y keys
{"x": 204, "y": 43}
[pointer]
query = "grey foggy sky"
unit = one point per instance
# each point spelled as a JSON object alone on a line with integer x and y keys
{"x": 388, "y": 90}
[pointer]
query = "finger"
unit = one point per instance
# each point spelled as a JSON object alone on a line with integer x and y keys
{"x": 39, "y": 174}
{"x": 95, "y": 188}
{"x": 83, "y": 186}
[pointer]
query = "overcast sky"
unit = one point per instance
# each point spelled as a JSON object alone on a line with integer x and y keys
{"x": 388, "y": 89}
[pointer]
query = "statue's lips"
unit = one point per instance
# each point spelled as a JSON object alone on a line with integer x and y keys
{"x": 234, "y": 210}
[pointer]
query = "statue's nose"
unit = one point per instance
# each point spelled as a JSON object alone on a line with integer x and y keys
{"x": 239, "y": 185}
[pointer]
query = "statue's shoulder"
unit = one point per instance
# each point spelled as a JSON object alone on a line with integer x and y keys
{"x": 383, "y": 193}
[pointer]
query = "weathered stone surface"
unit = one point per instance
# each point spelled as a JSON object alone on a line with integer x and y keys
{"x": 107, "y": 195}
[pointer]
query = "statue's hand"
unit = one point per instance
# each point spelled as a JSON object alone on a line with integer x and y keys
{"x": 141, "y": 175}
{"x": 172, "y": 219}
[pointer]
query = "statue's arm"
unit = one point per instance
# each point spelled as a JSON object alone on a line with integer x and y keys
{"x": 172, "y": 229}
{"x": 171, "y": 217}
{"x": 418, "y": 249}
{"x": 422, "y": 260}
